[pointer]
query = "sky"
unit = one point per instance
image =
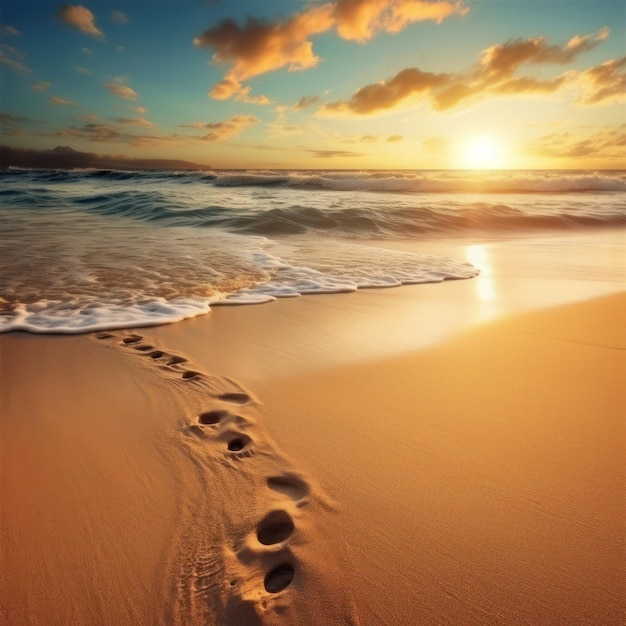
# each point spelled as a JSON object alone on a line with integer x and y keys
{"x": 344, "y": 84}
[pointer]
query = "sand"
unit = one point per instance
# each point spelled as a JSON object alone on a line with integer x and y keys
{"x": 448, "y": 454}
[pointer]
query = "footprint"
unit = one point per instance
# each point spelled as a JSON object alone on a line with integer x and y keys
{"x": 157, "y": 354}
{"x": 238, "y": 443}
{"x": 279, "y": 578}
{"x": 132, "y": 339}
{"x": 289, "y": 485}
{"x": 212, "y": 417}
{"x": 104, "y": 335}
{"x": 144, "y": 348}
{"x": 235, "y": 398}
{"x": 191, "y": 375}
{"x": 175, "y": 360}
{"x": 275, "y": 527}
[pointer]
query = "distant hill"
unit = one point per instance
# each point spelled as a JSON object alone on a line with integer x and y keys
{"x": 66, "y": 158}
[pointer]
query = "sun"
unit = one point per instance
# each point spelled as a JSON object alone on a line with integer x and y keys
{"x": 482, "y": 152}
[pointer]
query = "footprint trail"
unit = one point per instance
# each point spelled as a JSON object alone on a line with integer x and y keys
{"x": 253, "y": 550}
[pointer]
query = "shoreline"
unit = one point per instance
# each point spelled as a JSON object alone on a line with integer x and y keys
{"x": 473, "y": 477}
{"x": 315, "y": 332}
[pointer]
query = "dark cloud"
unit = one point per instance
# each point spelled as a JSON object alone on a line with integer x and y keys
{"x": 220, "y": 131}
{"x": 134, "y": 121}
{"x": 306, "y": 101}
{"x": 329, "y": 154}
{"x": 112, "y": 133}
{"x": 363, "y": 139}
{"x": 9, "y": 31}
{"x": 14, "y": 58}
{"x": 127, "y": 130}
{"x": 8, "y": 118}
{"x": 119, "y": 18}
{"x": 62, "y": 102}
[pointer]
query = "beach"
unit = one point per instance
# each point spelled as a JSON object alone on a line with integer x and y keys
{"x": 313, "y": 313}
{"x": 448, "y": 453}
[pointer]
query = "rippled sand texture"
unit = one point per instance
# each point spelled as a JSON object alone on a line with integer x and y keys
{"x": 141, "y": 490}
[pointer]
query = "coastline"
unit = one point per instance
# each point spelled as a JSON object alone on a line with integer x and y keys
{"x": 475, "y": 476}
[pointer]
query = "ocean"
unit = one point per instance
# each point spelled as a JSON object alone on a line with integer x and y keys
{"x": 86, "y": 250}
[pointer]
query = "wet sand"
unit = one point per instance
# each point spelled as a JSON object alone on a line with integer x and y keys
{"x": 430, "y": 454}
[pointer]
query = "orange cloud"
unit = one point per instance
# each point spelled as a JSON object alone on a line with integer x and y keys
{"x": 41, "y": 85}
{"x": 260, "y": 47}
{"x": 80, "y": 18}
{"x": 62, "y": 102}
{"x": 604, "y": 83}
{"x": 230, "y": 88}
{"x": 493, "y": 75}
{"x": 503, "y": 60}
{"x": 244, "y": 96}
{"x": 360, "y": 20}
{"x": 609, "y": 144}
{"x": 117, "y": 88}
{"x": 388, "y": 94}
{"x": 220, "y": 131}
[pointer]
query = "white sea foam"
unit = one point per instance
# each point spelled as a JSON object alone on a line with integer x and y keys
{"x": 72, "y": 275}
{"x": 54, "y": 317}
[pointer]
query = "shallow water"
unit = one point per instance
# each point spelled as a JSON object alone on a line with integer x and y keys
{"x": 87, "y": 250}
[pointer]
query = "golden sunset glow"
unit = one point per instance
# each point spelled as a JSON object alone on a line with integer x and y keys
{"x": 273, "y": 85}
{"x": 482, "y": 152}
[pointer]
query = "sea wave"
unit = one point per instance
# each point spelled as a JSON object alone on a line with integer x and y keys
{"x": 88, "y": 249}
{"x": 78, "y": 273}
{"x": 275, "y": 216}
{"x": 397, "y": 181}
{"x": 431, "y": 182}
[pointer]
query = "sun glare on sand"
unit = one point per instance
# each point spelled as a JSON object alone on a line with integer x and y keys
{"x": 482, "y": 152}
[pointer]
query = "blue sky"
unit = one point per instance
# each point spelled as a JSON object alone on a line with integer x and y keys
{"x": 344, "y": 84}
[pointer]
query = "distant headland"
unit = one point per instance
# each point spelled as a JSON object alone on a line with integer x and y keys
{"x": 66, "y": 158}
